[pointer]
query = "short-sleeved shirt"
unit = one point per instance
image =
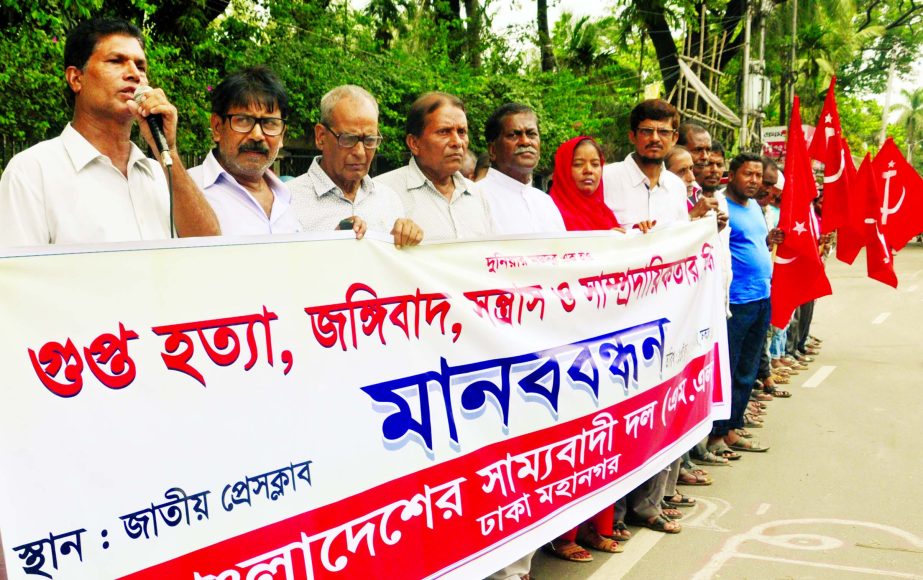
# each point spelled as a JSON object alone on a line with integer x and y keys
{"x": 750, "y": 257}
{"x": 519, "y": 208}
{"x": 64, "y": 191}
{"x": 320, "y": 204}
{"x": 238, "y": 212}
{"x": 466, "y": 215}
{"x": 628, "y": 193}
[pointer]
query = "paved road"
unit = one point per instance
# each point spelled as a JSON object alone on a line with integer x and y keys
{"x": 840, "y": 493}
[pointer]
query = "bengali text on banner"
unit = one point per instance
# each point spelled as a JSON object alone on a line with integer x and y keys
{"x": 332, "y": 408}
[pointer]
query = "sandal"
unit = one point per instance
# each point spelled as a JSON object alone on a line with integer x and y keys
{"x": 749, "y": 445}
{"x": 683, "y": 501}
{"x": 751, "y": 422}
{"x": 620, "y": 532}
{"x": 687, "y": 477}
{"x": 782, "y": 394}
{"x": 589, "y": 537}
{"x": 744, "y": 433}
{"x": 670, "y": 513}
{"x": 568, "y": 551}
{"x": 760, "y": 397}
{"x": 722, "y": 450}
{"x": 659, "y": 523}
{"x": 711, "y": 458}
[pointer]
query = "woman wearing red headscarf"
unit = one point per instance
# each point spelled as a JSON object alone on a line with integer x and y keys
{"x": 577, "y": 190}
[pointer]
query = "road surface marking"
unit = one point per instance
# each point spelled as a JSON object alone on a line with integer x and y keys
{"x": 915, "y": 274}
{"x": 642, "y": 542}
{"x": 912, "y": 288}
{"x": 707, "y": 513}
{"x": 732, "y": 547}
{"x": 881, "y": 318}
{"x": 818, "y": 377}
{"x": 764, "y": 507}
{"x": 870, "y": 571}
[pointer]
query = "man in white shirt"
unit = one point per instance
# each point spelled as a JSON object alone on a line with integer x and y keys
{"x": 434, "y": 192}
{"x": 92, "y": 184}
{"x": 337, "y": 188}
{"x": 642, "y": 194}
{"x": 514, "y": 145}
{"x": 249, "y": 109}
{"x": 639, "y": 190}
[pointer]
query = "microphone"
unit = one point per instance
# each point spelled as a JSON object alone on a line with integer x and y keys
{"x": 155, "y": 123}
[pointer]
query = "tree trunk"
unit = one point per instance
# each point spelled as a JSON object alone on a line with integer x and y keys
{"x": 544, "y": 38}
{"x": 655, "y": 21}
{"x": 473, "y": 32}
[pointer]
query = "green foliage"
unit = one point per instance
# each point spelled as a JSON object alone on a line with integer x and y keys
{"x": 399, "y": 49}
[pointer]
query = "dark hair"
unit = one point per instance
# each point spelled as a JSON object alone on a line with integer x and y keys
{"x": 494, "y": 125}
{"x": 426, "y": 104}
{"x": 83, "y": 38}
{"x": 673, "y": 152}
{"x": 592, "y": 142}
{"x": 251, "y": 86}
{"x": 717, "y": 147}
{"x": 688, "y": 128}
{"x": 742, "y": 158}
{"x": 769, "y": 162}
{"x": 655, "y": 110}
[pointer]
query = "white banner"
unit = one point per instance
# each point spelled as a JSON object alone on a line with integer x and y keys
{"x": 334, "y": 408}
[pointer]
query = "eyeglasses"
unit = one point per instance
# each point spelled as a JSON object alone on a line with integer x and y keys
{"x": 648, "y": 132}
{"x": 270, "y": 126}
{"x": 349, "y": 140}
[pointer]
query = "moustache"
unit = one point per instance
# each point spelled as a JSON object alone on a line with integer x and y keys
{"x": 254, "y": 146}
{"x": 525, "y": 149}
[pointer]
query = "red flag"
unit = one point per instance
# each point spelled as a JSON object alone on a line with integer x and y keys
{"x": 846, "y": 204}
{"x": 901, "y": 190}
{"x": 878, "y": 259}
{"x": 798, "y": 275}
{"x": 828, "y": 125}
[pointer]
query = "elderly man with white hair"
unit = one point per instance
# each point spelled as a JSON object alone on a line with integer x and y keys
{"x": 337, "y": 191}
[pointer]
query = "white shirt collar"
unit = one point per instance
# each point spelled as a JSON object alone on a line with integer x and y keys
{"x": 81, "y": 152}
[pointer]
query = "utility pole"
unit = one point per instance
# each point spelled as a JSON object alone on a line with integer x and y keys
{"x": 745, "y": 94}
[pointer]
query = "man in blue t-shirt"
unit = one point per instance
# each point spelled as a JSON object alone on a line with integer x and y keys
{"x": 749, "y": 298}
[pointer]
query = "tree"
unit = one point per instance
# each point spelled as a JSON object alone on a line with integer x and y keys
{"x": 911, "y": 118}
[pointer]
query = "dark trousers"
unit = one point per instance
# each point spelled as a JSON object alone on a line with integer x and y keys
{"x": 747, "y": 328}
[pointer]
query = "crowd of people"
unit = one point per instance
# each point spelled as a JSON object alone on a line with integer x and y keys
{"x": 91, "y": 184}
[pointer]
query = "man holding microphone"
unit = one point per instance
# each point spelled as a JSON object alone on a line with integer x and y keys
{"x": 92, "y": 184}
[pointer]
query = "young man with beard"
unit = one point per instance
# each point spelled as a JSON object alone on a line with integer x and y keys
{"x": 642, "y": 193}
{"x": 639, "y": 190}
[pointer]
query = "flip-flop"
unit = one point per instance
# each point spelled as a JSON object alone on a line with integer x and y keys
{"x": 722, "y": 450}
{"x": 752, "y": 445}
{"x": 781, "y": 393}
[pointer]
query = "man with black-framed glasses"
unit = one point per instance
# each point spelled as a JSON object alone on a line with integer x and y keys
{"x": 639, "y": 190}
{"x": 249, "y": 109}
{"x": 337, "y": 188}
